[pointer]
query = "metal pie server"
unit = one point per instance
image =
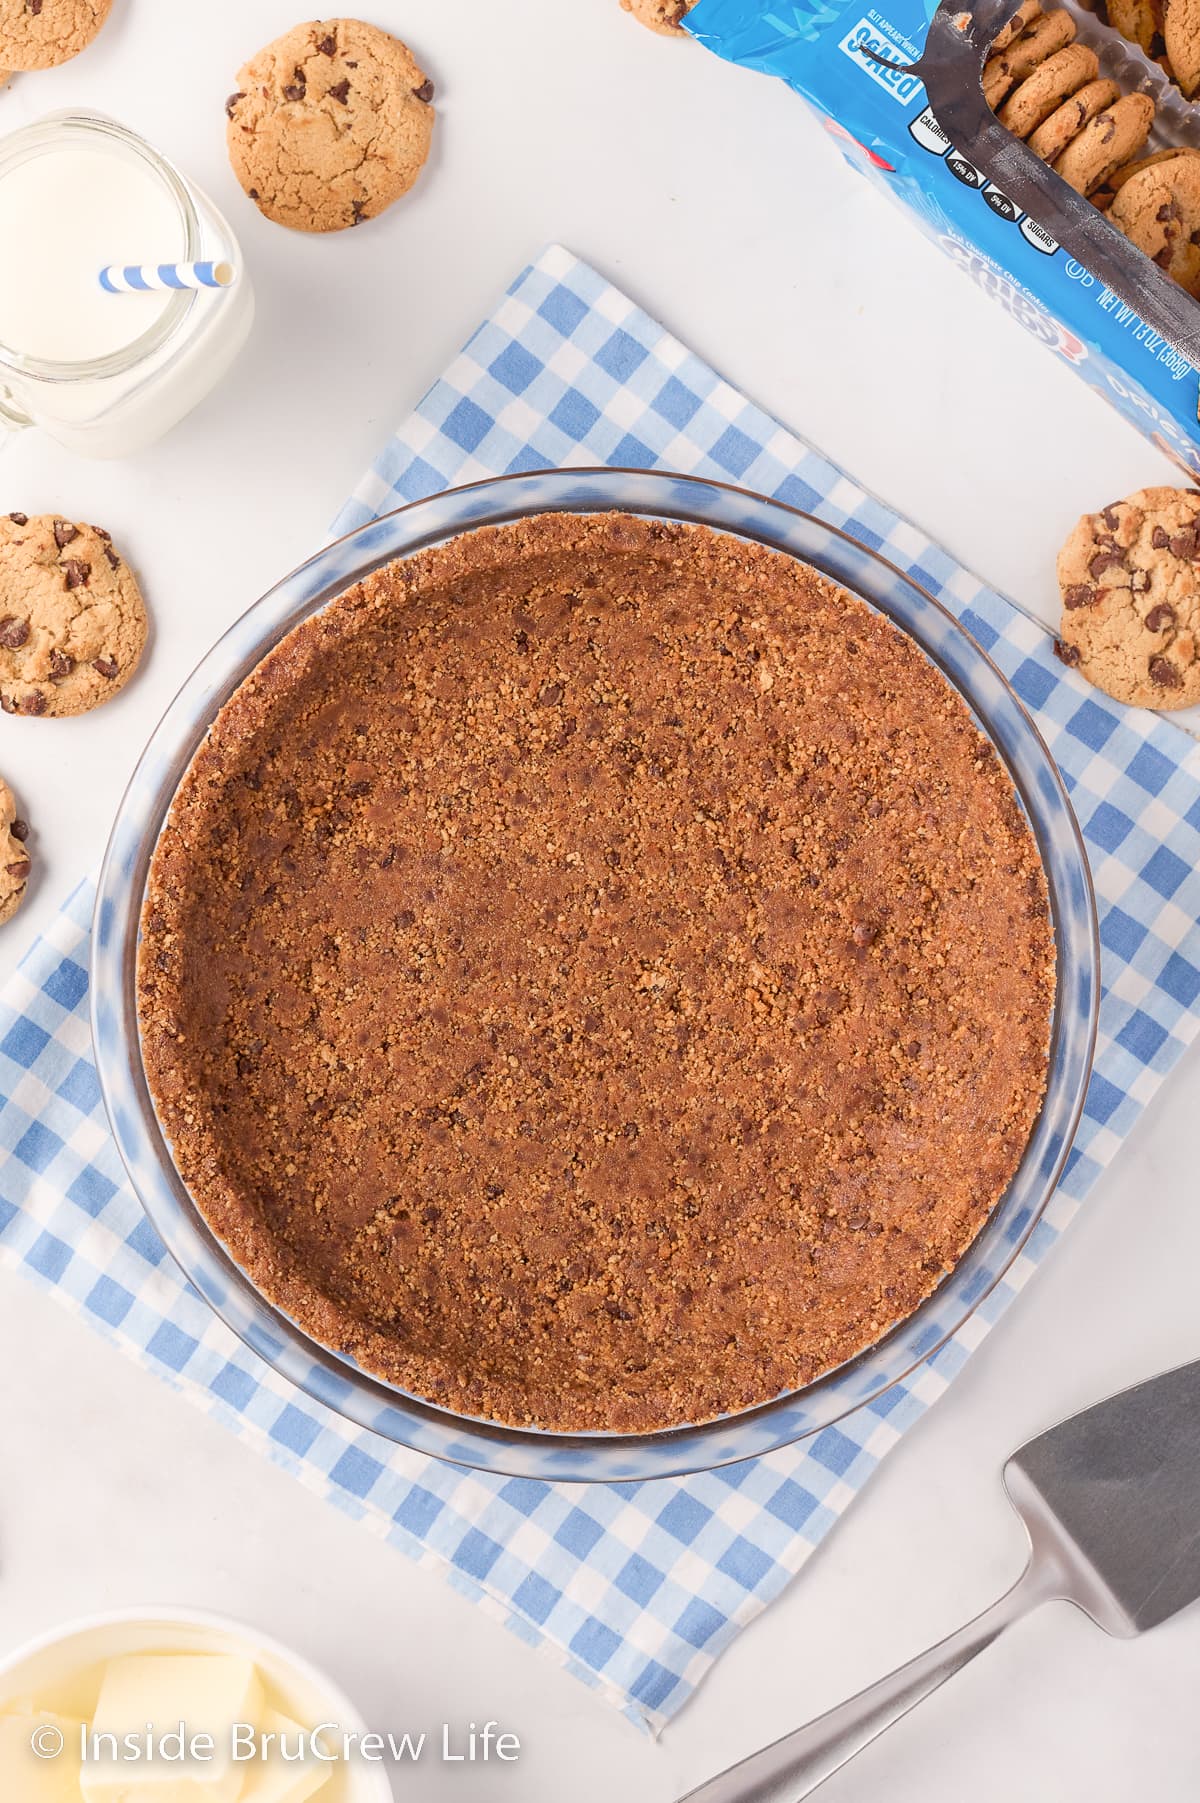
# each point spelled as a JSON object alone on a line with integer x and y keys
{"x": 1111, "y": 1502}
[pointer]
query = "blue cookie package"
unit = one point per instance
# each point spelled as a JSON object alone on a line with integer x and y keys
{"x": 901, "y": 92}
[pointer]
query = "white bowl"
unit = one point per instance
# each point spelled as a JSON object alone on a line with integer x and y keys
{"x": 41, "y": 1670}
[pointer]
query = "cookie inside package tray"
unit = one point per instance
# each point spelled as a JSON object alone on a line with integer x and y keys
{"x": 901, "y": 86}
{"x": 951, "y": 67}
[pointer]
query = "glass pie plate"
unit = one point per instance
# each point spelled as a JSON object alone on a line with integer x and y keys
{"x": 336, "y": 1381}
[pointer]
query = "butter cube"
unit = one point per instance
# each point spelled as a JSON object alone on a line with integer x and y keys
{"x": 278, "y": 1780}
{"x": 31, "y": 1768}
{"x": 149, "y": 1696}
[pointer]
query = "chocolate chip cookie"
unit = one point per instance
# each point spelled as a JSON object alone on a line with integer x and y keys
{"x": 1127, "y": 171}
{"x": 1181, "y": 34}
{"x": 1052, "y": 82}
{"x": 1130, "y": 581}
{"x": 329, "y": 125}
{"x": 1067, "y": 121}
{"x": 1022, "y": 19}
{"x": 72, "y": 620}
{"x": 14, "y": 858}
{"x": 1005, "y": 68}
{"x": 37, "y": 34}
{"x": 660, "y": 15}
{"x": 1107, "y": 141}
{"x": 1140, "y": 22}
{"x": 1158, "y": 209}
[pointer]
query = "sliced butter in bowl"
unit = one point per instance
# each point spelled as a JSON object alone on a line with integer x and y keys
{"x": 167, "y": 1728}
{"x": 149, "y": 1695}
{"x": 39, "y": 1757}
{"x": 281, "y": 1777}
{"x": 171, "y": 1706}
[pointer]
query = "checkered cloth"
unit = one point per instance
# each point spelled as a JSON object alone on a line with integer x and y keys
{"x": 635, "y": 1588}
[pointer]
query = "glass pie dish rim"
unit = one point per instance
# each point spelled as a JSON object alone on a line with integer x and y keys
{"x": 371, "y": 1403}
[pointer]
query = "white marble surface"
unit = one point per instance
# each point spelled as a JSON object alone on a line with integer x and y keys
{"x": 718, "y": 204}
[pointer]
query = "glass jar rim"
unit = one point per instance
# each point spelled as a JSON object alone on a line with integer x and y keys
{"x": 180, "y": 303}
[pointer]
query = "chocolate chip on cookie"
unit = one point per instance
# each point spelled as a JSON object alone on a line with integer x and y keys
{"x": 329, "y": 125}
{"x": 37, "y": 34}
{"x": 660, "y": 15}
{"x": 1130, "y": 582}
{"x": 1110, "y": 139}
{"x": 1005, "y": 68}
{"x": 72, "y": 620}
{"x": 14, "y": 855}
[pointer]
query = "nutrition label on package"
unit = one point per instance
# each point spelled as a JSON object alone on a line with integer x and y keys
{"x": 928, "y": 135}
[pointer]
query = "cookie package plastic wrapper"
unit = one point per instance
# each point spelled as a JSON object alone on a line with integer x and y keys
{"x": 901, "y": 91}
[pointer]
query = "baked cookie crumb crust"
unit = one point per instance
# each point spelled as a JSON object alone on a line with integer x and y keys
{"x": 596, "y": 974}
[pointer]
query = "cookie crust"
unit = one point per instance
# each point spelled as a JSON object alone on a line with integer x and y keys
{"x": 50, "y": 32}
{"x": 72, "y": 621}
{"x": 329, "y": 125}
{"x": 1130, "y": 582}
{"x": 572, "y": 967}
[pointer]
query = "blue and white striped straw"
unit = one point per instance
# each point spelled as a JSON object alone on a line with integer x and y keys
{"x": 146, "y": 278}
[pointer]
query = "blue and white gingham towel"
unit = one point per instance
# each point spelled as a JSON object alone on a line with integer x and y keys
{"x": 636, "y": 1588}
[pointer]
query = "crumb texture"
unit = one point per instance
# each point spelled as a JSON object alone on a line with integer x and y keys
{"x": 596, "y": 974}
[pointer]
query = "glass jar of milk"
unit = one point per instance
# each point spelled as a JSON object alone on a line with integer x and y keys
{"x": 106, "y": 374}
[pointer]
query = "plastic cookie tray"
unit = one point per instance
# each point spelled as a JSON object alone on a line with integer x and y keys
{"x": 951, "y": 68}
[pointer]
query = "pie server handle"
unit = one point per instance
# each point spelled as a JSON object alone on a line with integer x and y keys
{"x": 795, "y": 1766}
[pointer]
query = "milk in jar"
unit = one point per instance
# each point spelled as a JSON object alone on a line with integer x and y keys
{"x": 106, "y": 374}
